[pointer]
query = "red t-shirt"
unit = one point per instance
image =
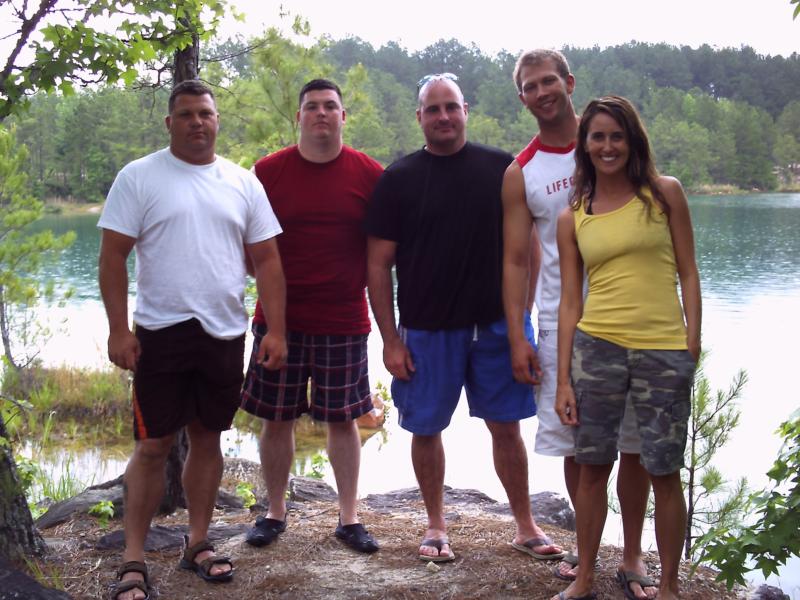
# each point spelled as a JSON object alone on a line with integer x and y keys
{"x": 321, "y": 207}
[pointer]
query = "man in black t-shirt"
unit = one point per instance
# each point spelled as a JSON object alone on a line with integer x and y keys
{"x": 437, "y": 215}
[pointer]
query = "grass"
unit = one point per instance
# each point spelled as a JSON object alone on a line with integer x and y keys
{"x": 59, "y": 403}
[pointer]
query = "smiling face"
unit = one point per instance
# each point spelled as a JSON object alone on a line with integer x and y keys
{"x": 193, "y": 124}
{"x": 607, "y": 145}
{"x": 442, "y": 114}
{"x": 321, "y": 116}
{"x": 545, "y": 92}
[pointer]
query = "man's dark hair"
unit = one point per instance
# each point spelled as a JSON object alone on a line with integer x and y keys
{"x": 192, "y": 87}
{"x": 318, "y": 84}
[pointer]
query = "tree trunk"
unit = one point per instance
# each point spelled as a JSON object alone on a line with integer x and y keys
{"x": 5, "y": 327}
{"x": 173, "y": 492}
{"x": 187, "y": 61}
{"x": 18, "y": 536}
{"x": 186, "y": 66}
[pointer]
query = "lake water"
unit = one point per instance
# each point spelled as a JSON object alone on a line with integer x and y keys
{"x": 747, "y": 252}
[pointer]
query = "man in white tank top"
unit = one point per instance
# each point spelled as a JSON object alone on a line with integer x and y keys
{"x": 536, "y": 188}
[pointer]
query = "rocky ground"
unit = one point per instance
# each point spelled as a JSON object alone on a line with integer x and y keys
{"x": 307, "y": 562}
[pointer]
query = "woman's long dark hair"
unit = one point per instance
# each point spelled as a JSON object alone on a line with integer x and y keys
{"x": 641, "y": 170}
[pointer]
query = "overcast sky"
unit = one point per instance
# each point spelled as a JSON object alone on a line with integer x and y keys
{"x": 765, "y": 25}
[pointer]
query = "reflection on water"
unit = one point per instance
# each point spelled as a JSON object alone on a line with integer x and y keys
{"x": 747, "y": 250}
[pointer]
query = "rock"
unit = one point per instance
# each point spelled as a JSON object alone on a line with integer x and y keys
{"x": 227, "y": 500}
{"x": 15, "y": 585}
{"x": 768, "y": 592}
{"x": 61, "y": 512}
{"x": 164, "y": 538}
{"x": 403, "y": 500}
{"x": 308, "y": 489}
{"x": 548, "y": 508}
{"x": 110, "y": 491}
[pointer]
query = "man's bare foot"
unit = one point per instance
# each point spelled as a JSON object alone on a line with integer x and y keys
{"x": 435, "y": 546}
{"x": 539, "y": 546}
{"x": 574, "y": 592}
{"x": 634, "y": 578}
{"x": 567, "y": 569}
{"x": 216, "y": 569}
{"x": 128, "y": 573}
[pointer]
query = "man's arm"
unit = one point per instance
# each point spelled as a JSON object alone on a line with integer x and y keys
{"x": 536, "y": 266}
{"x": 271, "y": 286}
{"x": 518, "y": 257}
{"x": 380, "y": 260}
{"x": 123, "y": 347}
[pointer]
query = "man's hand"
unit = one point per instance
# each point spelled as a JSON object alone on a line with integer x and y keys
{"x": 397, "y": 359}
{"x": 272, "y": 351}
{"x": 525, "y": 363}
{"x": 566, "y": 407}
{"x": 124, "y": 349}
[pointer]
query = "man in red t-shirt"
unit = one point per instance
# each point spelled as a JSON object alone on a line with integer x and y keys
{"x": 319, "y": 190}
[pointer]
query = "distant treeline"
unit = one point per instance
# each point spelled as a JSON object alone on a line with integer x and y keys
{"x": 729, "y": 117}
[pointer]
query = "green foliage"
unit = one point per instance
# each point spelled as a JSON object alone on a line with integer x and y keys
{"x": 796, "y": 8}
{"x": 104, "y": 511}
{"x": 386, "y": 397}
{"x": 319, "y": 462}
{"x": 21, "y": 256}
{"x": 59, "y": 45}
{"x": 244, "y": 490}
{"x": 711, "y": 502}
{"x": 724, "y": 117}
{"x": 55, "y": 399}
{"x": 772, "y": 539}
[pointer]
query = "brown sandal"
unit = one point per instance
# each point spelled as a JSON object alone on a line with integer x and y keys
{"x": 203, "y": 568}
{"x": 132, "y": 566}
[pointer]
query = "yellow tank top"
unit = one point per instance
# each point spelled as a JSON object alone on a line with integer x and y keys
{"x": 633, "y": 293}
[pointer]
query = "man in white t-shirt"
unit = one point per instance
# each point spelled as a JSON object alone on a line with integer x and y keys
{"x": 536, "y": 188}
{"x": 192, "y": 217}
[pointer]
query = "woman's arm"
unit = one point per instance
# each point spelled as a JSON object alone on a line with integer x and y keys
{"x": 570, "y": 310}
{"x": 680, "y": 228}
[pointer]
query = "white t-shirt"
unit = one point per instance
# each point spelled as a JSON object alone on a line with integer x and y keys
{"x": 190, "y": 223}
{"x": 547, "y": 172}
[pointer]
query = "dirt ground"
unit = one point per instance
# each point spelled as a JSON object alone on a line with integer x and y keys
{"x": 307, "y": 562}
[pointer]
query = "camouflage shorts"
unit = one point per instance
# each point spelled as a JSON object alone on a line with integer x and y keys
{"x": 659, "y": 384}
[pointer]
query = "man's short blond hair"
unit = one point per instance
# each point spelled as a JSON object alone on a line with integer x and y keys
{"x": 535, "y": 57}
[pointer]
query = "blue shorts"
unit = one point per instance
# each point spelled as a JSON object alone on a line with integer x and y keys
{"x": 477, "y": 359}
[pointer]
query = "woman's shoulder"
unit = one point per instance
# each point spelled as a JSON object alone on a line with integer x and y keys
{"x": 668, "y": 185}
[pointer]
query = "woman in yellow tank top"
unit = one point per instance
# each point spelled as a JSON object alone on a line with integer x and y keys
{"x": 630, "y": 229}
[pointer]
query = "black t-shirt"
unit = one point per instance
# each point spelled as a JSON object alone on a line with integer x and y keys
{"x": 446, "y": 215}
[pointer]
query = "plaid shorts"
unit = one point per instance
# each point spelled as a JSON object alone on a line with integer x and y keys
{"x": 336, "y": 366}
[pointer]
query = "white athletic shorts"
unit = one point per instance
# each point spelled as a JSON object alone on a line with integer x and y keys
{"x": 553, "y": 438}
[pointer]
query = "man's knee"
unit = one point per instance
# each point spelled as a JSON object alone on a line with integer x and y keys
{"x": 202, "y": 439}
{"x": 153, "y": 451}
{"x": 504, "y": 431}
{"x": 345, "y": 428}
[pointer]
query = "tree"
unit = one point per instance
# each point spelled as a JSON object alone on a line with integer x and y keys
{"x": 713, "y": 417}
{"x": 21, "y": 254}
{"x": 484, "y": 129}
{"x": 59, "y": 44}
{"x": 773, "y": 539}
{"x": 681, "y": 149}
{"x": 787, "y": 144}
